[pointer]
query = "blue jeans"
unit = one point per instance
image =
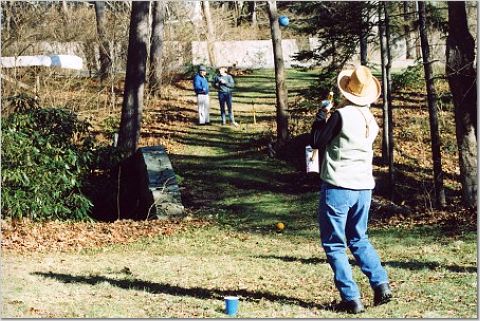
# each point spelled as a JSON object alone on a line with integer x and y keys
{"x": 343, "y": 219}
{"x": 225, "y": 98}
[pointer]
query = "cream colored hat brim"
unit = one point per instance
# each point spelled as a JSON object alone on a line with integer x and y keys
{"x": 373, "y": 90}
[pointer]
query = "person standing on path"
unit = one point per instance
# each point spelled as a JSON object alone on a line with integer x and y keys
{"x": 347, "y": 182}
{"x": 200, "y": 86}
{"x": 225, "y": 84}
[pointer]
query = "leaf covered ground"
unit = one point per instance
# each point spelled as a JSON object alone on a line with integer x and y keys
{"x": 27, "y": 236}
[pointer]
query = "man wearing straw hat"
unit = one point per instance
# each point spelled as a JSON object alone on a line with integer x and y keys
{"x": 347, "y": 182}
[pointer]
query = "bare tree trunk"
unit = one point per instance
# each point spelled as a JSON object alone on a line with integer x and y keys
{"x": 364, "y": 33}
{"x": 105, "y": 59}
{"x": 156, "y": 46}
{"x": 281, "y": 87}
{"x": 418, "y": 46}
{"x": 407, "y": 29}
{"x": 462, "y": 80}
{"x": 210, "y": 33}
{"x": 252, "y": 12}
{"x": 237, "y": 12}
{"x": 432, "y": 108}
{"x": 388, "y": 97}
{"x": 132, "y": 108}
{"x": 65, "y": 10}
{"x": 195, "y": 12}
{"x": 384, "y": 59}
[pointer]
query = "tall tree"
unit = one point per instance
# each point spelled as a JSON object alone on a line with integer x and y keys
{"x": 252, "y": 12}
{"x": 281, "y": 87}
{"x": 462, "y": 79}
{"x": 363, "y": 33}
{"x": 407, "y": 30}
{"x": 387, "y": 138}
{"x": 194, "y": 9}
{"x": 65, "y": 10}
{"x": 388, "y": 71}
{"x": 132, "y": 108}
{"x": 338, "y": 25}
{"x": 156, "y": 46}
{"x": 210, "y": 33}
{"x": 432, "y": 108}
{"x": 105, "y": 59}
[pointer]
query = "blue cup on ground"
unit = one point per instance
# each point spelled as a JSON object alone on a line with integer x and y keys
{"x": 231, "y": 305}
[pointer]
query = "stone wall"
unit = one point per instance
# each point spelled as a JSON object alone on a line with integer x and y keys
{"x": 243, "y": 54}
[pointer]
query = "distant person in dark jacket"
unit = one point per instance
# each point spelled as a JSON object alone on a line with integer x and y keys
{"x": 346, "y": 191}
{"x": 225, "y": 84}
{"x": 200, "y": 86}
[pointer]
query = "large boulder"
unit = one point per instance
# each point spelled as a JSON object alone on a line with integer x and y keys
{"x": 149, "y": 187}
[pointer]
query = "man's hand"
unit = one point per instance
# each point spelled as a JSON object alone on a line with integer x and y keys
{"x": 326, "y": 105}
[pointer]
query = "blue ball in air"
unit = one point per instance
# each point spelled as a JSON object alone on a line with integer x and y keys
{"x": 283, "y": 21}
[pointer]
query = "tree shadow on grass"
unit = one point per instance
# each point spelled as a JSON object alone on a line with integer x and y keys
{"x": 195, "y": 292}
{"x": 408, "y": 265}
{"x": 421, "y": 265}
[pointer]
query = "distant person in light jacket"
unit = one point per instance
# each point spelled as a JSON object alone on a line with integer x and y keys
{"x": 200, "y": 86}
{"x": 225, "y": 84}
{"x": 347, "y": 182}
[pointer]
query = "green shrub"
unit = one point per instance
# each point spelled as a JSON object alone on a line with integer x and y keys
{"x": 412, "y": 78}
{"x": 110, "y": 125}
{"x": 45, "y": 158}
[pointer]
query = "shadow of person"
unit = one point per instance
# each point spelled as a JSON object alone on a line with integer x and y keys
{"x": 312, "y": 260}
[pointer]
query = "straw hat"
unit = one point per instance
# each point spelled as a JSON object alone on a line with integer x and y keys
{"x": 359, "y": 86}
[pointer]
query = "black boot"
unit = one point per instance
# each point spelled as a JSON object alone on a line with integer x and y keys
{"x": 382, "y": 294}
{"x": 353, "y": 306}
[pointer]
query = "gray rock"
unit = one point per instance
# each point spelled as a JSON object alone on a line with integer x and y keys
{"x": 149, "y": 186}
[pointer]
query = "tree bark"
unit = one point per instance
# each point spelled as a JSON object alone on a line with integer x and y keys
{"x": 195, "y": 12}
{"x": 432, "y": 108}
{"x": 210, "y": 33}
{"x": 364, "y": 33}
{"x": 156, "y": 46}
{"x": 407, "y": 29}
{"x": 388, "y": 77}
{"x": 384, "y": 59}
{"x": 103, "y": 45}
{"x": 281, "y": 87}
{"x": 132, "y": 107}
{"x": 461, "y": 75}
{"x": 252, "y": 13}
{"x": 66, "y": 10}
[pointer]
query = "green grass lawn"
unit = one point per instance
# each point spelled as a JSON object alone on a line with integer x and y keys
{"x": 244, "y": 192}
{"x": 275, "y": 275}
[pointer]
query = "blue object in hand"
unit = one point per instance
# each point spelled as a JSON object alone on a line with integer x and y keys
{"x": 327, "y": 104}
{"x": 283, "y": 21}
